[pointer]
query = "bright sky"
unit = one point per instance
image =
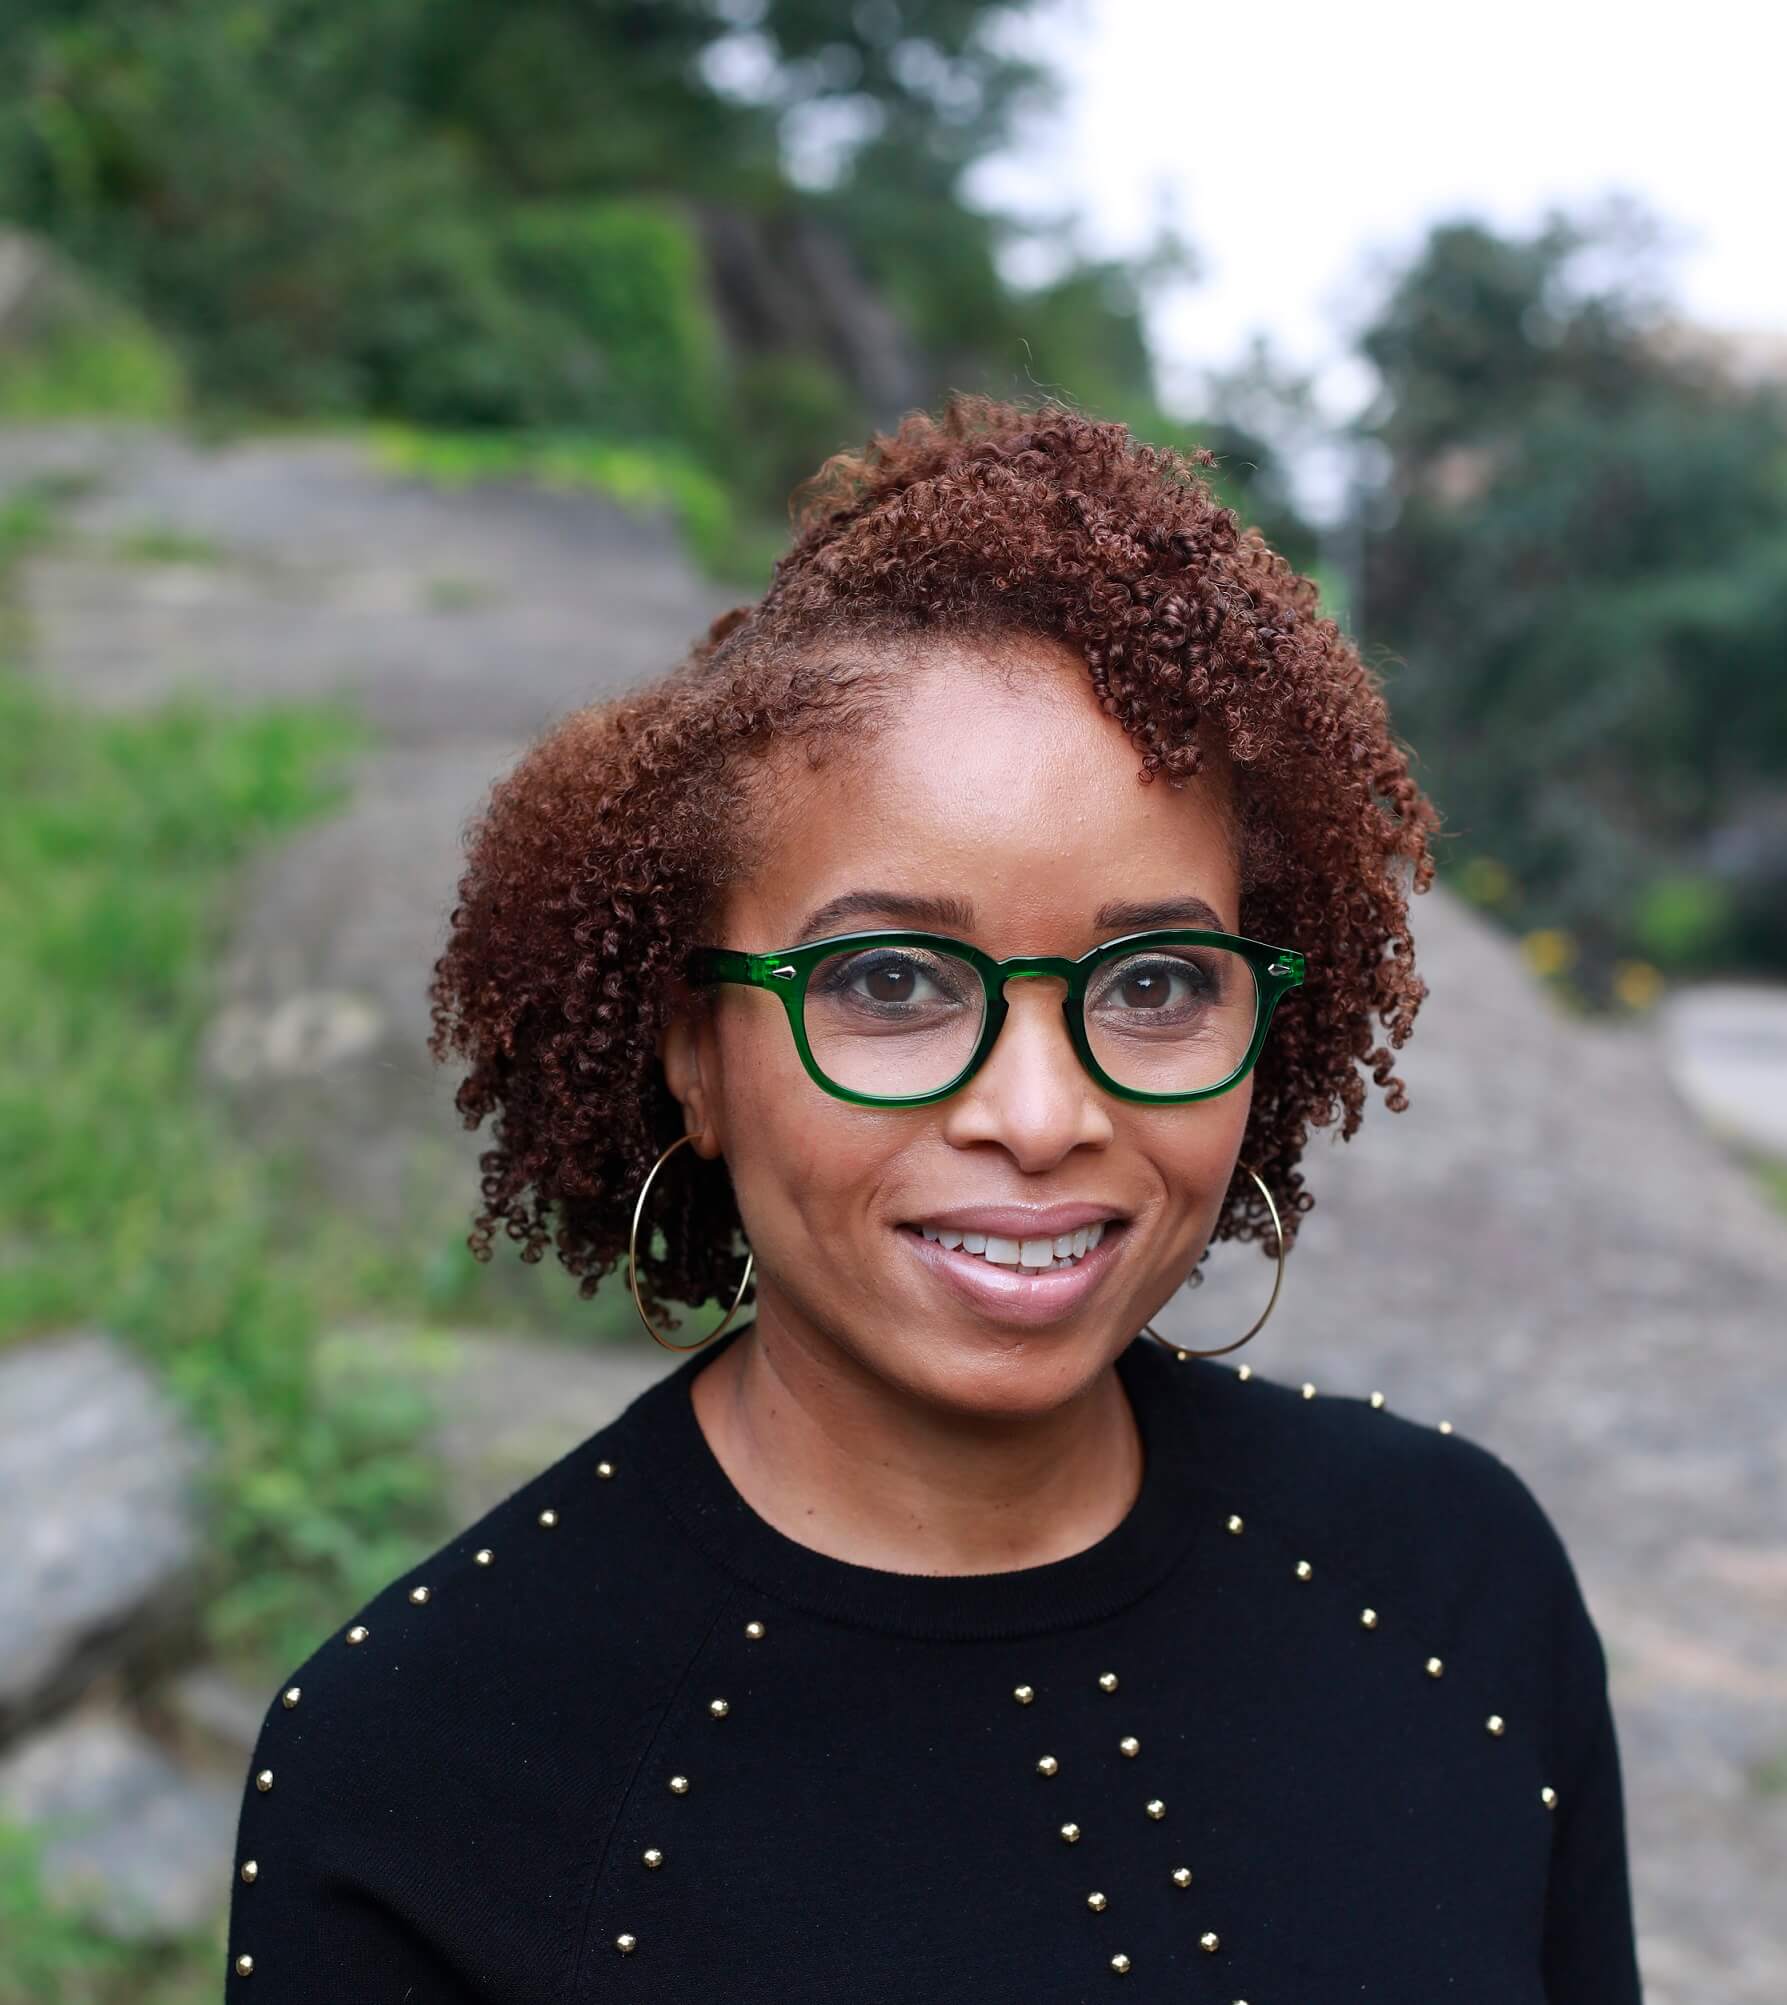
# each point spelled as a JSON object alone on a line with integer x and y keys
{"x": 1291, "y": 141}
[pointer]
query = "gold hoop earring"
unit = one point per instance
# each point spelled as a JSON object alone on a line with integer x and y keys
{"x": 633, "y": 1271}
{"x": 1148, "y": 1329}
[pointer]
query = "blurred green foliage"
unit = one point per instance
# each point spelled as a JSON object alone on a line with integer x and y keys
{"x": 117, "y": 370}
{"x": 484, "y": 214}
{"x": 50, "y": 1956}
{"x": 1577, "y": 565}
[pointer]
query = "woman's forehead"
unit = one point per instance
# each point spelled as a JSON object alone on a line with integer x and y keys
{"x": 1012, "y": 790}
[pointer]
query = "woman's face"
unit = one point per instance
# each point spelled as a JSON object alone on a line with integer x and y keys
{"x": 1001, "y": 806}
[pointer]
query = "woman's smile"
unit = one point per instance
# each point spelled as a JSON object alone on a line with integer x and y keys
{"x": 1032, "y": 1281}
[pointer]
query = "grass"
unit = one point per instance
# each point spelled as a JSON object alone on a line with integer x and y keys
{"x": 159, "y": 543}
{"x": 48, "y": 1954}
{"x": 648, "y": 480}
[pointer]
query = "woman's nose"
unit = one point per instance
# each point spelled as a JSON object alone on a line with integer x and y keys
{"x": 1032, "y": 1096}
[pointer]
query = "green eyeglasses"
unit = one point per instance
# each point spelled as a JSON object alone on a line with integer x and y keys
{"x": 902, "y": 1019}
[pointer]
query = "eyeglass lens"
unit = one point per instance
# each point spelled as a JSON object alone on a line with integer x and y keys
{"x": 893, "y": 1022}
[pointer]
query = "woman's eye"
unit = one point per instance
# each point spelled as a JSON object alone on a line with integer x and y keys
{"x": 1154, "y": 986}
{"x": 890, "y": 981}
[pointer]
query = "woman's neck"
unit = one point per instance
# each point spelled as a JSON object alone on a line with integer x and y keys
{"x": 840, "y": 1460}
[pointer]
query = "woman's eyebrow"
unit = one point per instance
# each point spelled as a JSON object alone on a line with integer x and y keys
{"x": 952, "y": 914}
{"x": 957, "y": 914}
{"x": 1128, "y": 917}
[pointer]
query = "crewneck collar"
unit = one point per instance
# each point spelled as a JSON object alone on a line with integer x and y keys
{"x": 1127, "y": 1563}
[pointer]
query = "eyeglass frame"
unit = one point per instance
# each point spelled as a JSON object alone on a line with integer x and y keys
{"x": 1276, "y": 971}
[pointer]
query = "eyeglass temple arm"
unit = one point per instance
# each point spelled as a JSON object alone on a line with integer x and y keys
{"x": 727, "y": 964}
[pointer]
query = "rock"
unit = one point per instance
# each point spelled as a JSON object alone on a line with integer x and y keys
{"x": 214, "y": 1716}
{"x": 460, "y": 623}
{"x": 435, "y": 613}
{"x": 96, "y": 1476}
{"x": 1726, "y": 1044}
{"x": 125, "y": 1835}
{"x": 320, "y": 1041}
{"x": 505, "y": 1406}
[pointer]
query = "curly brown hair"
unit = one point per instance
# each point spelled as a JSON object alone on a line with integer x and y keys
{"x": 601, "y": 857}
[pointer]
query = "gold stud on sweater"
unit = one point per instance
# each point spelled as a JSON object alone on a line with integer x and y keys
{"x": 250, "y": 1872}
{"x": 1048, "y": 1765}
{"x": 1308, "y": 1390}
{"x": 1129, "y": 1745}
{"x": 549, "y": 1518}
{"x": 1377, "y": 1401}
{"x": 1368, "y": 1618}
{"x": 419, "y": 1595}
{"x": 1070, "y": 1834}
{"x": 264, "y": 1781}
{"x": 1156, "y": 1809}
{"x": 244, "y": 1966}
{"x": 754, "y": 1630}
{"x": 1120, "y": 1963}
{"x": 358, "y": 1633}
{"x": 1181, "y": 1876}
{"x": 1107, "y": 1681}
{"x": 1445, "y": 1427}
{"x": 1097, "y": 1903}
{"x": 719, "y": 1708}
{"x": 483, "y": 1556}
{"x": 604, "y": 1470}
{"x": 1234, "y": 1522}
{"x": 1548, "y": 1796}
{"x": 1495, "y": 1723}
{"x": 1244, "y": 1373}
{"x": 1434, "y": 1667}
{"x": 679, "y": 1785}
{"x": 652, "y": 1857}
{"x": 626, "y": 1944}
{"x": 290, "y": 1696}
{"x": 1210, "y": 1940}
{"x": 1304, "y": 1569}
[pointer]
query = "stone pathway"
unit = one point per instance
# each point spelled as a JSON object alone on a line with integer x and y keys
{"x": 1549, "y": 1247}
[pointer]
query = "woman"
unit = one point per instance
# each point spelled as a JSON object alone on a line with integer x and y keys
{"x": 975, "y": 926}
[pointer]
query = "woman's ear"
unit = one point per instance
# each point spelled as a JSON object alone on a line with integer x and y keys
{"x": 686, "y": 1052}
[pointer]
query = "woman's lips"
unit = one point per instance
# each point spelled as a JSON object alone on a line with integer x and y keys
{"x": 1016, "y": 1294}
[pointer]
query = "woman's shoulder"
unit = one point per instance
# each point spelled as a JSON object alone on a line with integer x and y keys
{"x": 1371, "y": 1471}
{"x": 1435, "y": 1531}
{"x": 505, "y": 1686}
{"x": 565, "y": 1605}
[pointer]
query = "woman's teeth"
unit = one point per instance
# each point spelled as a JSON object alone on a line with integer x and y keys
{"x": 1061, "y": 1251}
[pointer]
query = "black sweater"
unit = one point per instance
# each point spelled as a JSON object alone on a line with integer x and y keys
{"x": 1324, "y": 1718}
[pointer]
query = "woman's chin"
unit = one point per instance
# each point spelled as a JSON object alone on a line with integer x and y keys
{"x": 990, "y": 1371}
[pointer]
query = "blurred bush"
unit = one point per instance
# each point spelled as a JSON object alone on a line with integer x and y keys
{"x": 1576, "y": 568}
{"x": 485, "y": 213}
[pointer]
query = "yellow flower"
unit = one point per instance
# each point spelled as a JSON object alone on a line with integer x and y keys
{"x": 1636, "y": 983}
{"x": 1548, "y": 950}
